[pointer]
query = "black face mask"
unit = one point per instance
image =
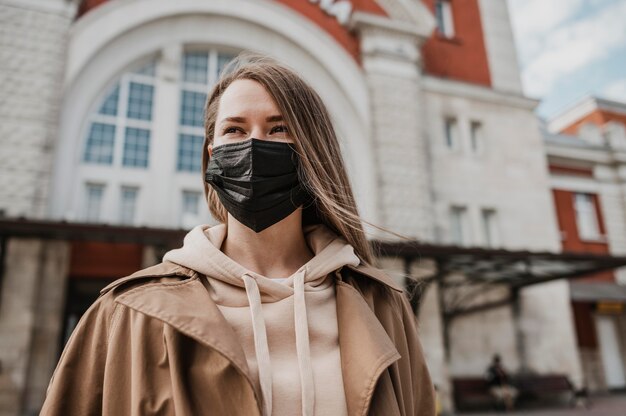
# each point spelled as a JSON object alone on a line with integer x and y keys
{"x": 256, "y": 181}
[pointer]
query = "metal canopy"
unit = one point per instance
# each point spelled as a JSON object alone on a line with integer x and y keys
{"x": 456, "y": 266}
{"x": 598, "y": 292}
{"x": 474, "y": 279}
{"x": 516, "y": 269}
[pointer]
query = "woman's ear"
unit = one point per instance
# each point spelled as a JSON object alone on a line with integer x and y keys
{"x": 210, "y": 149}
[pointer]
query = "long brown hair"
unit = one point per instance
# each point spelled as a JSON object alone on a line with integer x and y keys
{"x": 321, "y": 166}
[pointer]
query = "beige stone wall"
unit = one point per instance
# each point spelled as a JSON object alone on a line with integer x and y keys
{"x": 31, "y": 312}
{"x": 392, "y": 71}
{"x": 548, "y": 326}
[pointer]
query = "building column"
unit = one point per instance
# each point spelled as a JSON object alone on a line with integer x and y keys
{"x": 32, "y": 303}
{"x": 390, "y": 55}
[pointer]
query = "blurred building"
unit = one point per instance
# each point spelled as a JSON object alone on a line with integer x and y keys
{"x": 586, "y": 147}
{"x": 101, "y": 127}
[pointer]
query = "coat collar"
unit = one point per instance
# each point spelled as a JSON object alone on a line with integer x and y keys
{"x": 378, "y": 275}
{"x": 365, "y": 347}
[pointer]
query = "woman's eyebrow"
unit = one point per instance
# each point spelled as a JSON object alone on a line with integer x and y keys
{"x": 243, "y": 119}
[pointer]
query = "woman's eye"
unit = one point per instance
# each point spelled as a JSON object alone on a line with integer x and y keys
{"x": 228, "y": 130}
{"x": 282, "y": 127}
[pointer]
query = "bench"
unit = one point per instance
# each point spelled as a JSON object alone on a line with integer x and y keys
{"x": 543, "y": 386}
{"x": 471, "y": 393}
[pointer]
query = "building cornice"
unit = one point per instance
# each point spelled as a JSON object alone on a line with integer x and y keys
{"x": 580, "y": 109}
{"x": 477, "y": 92}
{"x": 421, "y": 29}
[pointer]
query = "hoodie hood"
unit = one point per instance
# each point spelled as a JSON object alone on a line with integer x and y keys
{"x": 231, "y": 284}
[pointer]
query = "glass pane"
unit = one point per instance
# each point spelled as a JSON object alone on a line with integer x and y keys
{"x": 489, "y": 227}
{"x": 190, "y": 202}
{"x": 140, "y": 101}
{"x": 476, "y": 136}
{"x": 451, "y": 132}
{"x": 109, "y": 106}
{"x": 136, "y": 147}
{"x": 190, "y": 152}
{"x": 93, "y": 201}
{"x": 458, "y": 231}
{"x": 586, "y": 217}
{"x": 128, "y": 202}
{"x": 195, "y": 67}
{"x": 99, "y": 148}
{"x": 222, "y": 60}
{"x": 192, "y": 108}
{"x": 439, "y": 16}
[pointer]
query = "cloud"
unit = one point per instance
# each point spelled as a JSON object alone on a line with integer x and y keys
{"x": 533, "y": 19}
{"x": 552, "y": 47}
{"x": 616, "y": 90}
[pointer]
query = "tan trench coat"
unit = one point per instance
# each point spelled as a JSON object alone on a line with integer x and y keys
{"x": 155, "y": 343}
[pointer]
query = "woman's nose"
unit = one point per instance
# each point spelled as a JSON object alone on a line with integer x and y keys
{"x": 257, "y": 133}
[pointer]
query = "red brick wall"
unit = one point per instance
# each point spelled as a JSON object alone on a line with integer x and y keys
{"x": 311, "y": 11}
{"x": 585, "y": 327}
{"x": 566, "y": 215}
{"x": 568, "y": 170}
{"x": 463, "y": 57}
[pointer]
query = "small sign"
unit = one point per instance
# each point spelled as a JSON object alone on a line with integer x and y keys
{"x": 610, "y": 308}
{"x": 340, "y": 9}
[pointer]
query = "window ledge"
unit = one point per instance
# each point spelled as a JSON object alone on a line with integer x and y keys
{"x": 453, "y": 39}
{"x": 599, "y": 239}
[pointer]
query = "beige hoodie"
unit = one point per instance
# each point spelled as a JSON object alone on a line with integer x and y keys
{"x": 287, "y": 327}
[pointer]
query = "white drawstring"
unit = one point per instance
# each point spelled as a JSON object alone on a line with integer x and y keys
{"x": 261, "y": 346}
{"x": 302, "y": 343}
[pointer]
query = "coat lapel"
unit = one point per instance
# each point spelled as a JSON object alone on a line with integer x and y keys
{"x": 187, "y": 306}
{"x": 366, "y": 348}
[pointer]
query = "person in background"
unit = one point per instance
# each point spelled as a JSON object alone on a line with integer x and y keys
{"x": 499, "y": 383}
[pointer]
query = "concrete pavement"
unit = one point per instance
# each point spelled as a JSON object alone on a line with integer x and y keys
{"x": 614, "y": 405}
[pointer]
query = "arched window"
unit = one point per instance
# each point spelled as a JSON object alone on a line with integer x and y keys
{"x": 143, "y": 138}
{"x": 119, "y": 132}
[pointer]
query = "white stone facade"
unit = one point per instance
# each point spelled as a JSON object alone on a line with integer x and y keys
{"x": 501, "y": 51}
{"x": 506, "y": 174}
{"x": 33, "y": 41}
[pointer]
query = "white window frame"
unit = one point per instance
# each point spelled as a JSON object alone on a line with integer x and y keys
{"x": 121, "y": 213}
{"x": 459, "y": 225}
{"x": 451, "y": 133}
{"x": 477, "y": 136}
{"x": 87, "y": 214}
{"x": 189, "y": 219}
{"x": 587, "y": 223}
{"x": 491, "y": 229}
{"x": 445, "y": 18}
{"x": 121, "y": 121}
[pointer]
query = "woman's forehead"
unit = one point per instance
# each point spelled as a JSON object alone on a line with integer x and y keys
{"x": 245, "y": 97}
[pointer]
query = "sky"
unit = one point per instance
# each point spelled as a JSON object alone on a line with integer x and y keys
{"x": 569, "y": 49}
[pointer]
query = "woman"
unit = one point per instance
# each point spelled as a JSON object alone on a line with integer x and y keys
{"x": 277, "y": 309}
